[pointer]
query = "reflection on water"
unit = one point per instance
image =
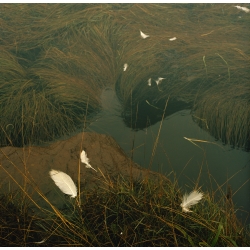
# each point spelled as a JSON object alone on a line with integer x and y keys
{"x": 217, "y": 165}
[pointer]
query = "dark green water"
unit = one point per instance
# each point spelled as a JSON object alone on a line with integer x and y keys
{"x": 218, "y": 165}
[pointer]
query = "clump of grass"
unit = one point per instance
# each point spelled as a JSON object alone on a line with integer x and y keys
{"x": 82, "y": 48}
{"x": 18, "y": 225}
{"x": 226, "y": 115}
{"x": 125, "y": 213}
{"x": 55, "y": 70}
{"x": 191, "y": 64}
{"x": 39, "y": 105}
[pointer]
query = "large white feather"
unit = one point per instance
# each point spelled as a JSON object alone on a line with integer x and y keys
{"x": 85, "y": 160}
{"x": 64, "y": 182}
{"x": 190, "y": 200}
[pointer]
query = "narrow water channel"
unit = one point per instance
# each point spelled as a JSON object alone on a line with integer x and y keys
{"x": 209, "y": 165}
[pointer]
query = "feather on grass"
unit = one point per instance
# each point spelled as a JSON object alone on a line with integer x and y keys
{"x": 190, "y": 200}
{"x": 159, "y": 80}
{"x": 242, "y": 8}
{"x": 144, "y": 36}
{"x": 64, "y": 182}
{"x": 85, "y": 160}
{"x": 125, "y": 67}
{"x": 149, "y": 82}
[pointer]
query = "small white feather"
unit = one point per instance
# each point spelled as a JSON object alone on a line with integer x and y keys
{"x": 85, "y": 160}
{"x": 172, "y": 39}
{"x": 149, "y": 82}
{"x": 242, "y": 8}
{"x": 40, "y": 242}
{"x": 159, "y": 80}
{"x": 64, "y": 182}
{"x": 190, "y": 200}
{"x": 143, "y": 35}
{"x": 125, "y": 67}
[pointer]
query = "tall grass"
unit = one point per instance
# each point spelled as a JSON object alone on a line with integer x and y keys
{"x": 41, "y": 105}
{"x": 211, "y": 50}
{"x": 60, "y": 74}
{"x": 78, "y": 49}
{"x": 146, "y": 213}
{"x": 225, "y": 115}
{"x": 55, "y": 60}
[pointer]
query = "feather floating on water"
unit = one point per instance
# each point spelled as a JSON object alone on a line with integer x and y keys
{"x": 125, "y": 67}
{"x": 190, "y": 200}
{"x": 85, "y": 160}
{"x": 64, "y": 182}
{"x": 242, "y": 8}
{"x": 143, "y": 35}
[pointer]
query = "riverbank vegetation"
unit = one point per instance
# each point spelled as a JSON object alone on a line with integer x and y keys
{"x": 122, "y": 213}
{"x": 57, "y": 58}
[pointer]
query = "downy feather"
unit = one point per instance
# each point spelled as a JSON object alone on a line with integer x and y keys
{"x": 190, "y": 200}
{"x": 85, "y": 160}
{"x": 64, "y": 182}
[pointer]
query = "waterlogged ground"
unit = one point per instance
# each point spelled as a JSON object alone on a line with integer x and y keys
{"x": 209, "y": 165}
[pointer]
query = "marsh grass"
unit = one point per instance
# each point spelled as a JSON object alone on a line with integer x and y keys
{"x": 192, "y": 64}
{"x": 56, "y": 58}
{"x": 67, "y": 53}
{"x": 225, "y": 115}
{"x": 121, "y": 213}
{"x": 53, "y": 68}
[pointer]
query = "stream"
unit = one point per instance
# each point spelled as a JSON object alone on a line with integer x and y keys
{"x": 208, "y": 165}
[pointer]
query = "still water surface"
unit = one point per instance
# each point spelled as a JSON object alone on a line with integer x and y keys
{"x": 207, "y": 164}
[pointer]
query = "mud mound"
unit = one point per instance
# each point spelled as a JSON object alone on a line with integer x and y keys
{"x": 28, "y": 168}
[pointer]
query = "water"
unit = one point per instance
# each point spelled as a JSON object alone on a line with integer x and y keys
{"x": 210, "y": 165}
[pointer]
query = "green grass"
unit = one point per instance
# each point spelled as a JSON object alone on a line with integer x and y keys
{"x": 55, "y": 59}
{"x": 59, "y": 57}
{"x": 225, "y": 114}
{"x": 122, "y": 213}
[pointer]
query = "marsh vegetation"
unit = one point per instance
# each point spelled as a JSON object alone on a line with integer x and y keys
{"x": 55, "y": 61}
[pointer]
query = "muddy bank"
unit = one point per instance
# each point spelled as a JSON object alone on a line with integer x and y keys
{"x": 29, "y": 167}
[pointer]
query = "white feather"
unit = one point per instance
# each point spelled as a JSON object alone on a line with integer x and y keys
{"x": 159, "y": 80}
{"x": 190, "y": 200}
{"x": 64, "y": 182}
{"x": 149, "y": 82}
{"x": 85, "y": 160}
{"x": 143, "y": 35}
{"x": 172, "y": 39}
{"x": 242, "y": 8}
{"x": 125, "y": 67}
